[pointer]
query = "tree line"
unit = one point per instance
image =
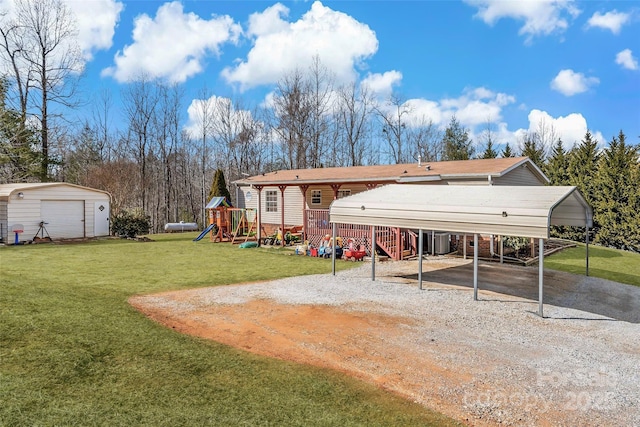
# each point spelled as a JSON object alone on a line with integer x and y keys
{"x": 607, "y": 176}
{"x": 151, "y": 161}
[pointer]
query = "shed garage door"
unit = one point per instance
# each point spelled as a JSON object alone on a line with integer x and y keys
{"x": 64, "y": 219}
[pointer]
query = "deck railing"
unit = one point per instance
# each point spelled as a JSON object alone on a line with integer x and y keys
{"x": 393, "y": 241}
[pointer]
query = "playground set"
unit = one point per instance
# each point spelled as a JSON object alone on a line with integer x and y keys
{"x": 229, "y": 224}
{"x": 239, "y": 225}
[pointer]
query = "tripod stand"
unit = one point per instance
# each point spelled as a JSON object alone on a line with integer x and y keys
{"x": 42, "y": 230}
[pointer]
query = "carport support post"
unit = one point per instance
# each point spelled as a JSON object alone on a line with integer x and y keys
{"x": 586, "y": 242}
{"x": 464, "y": 246}
{"x": 501, "y": 250}
{"x": 540, "y": 276}
{"x": 333, "y": 248}
{"x": 475, "y": 267}
{"x": 420, "y": 238}
{"x": 373, "y": 253}
{"x": 433, "y": 242}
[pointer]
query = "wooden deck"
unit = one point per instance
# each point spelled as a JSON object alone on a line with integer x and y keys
{"x": 395, "y": 242}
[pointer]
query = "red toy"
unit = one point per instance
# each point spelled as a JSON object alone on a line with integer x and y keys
{"x": 354, "y": 254}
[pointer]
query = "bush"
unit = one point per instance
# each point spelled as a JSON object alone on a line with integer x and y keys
{"x": 516, "y": 243}
{"x": 130, "y": 223}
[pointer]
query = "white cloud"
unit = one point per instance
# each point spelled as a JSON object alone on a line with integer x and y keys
{"x": 173, "y": 45}
{"x": 473, "y": 109}
{"x": 612, "y": 21}
{"x": 382, "y": 84}
{"x": 429, "y": 110}
{"x": 626, "y": 60}
{"x": 475, "y": 106}
{"x": 540, "y": 17}
{"x": 213, "y": 107}
{"x": 97, "y": 20}
{"x": 571, "y": 128}
{"x": 211, "y": 111}
{"x": 8, "y": 7}
{"x": 570, "y": 83}
{"x": 269, "y": 21}
{"x": 280, "y": 47}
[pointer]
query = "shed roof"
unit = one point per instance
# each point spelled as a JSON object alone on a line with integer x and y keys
{"x": 7, "y": 189}
{"x": 400, "y": 173}
{"x": 502, "y": 210}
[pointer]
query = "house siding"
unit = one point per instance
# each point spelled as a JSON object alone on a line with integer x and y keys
{"x": 3, "y": 221}
{"x": 520, "y": 176}
{"x": 247, "y": 198}
{"x": 293, "y": 202}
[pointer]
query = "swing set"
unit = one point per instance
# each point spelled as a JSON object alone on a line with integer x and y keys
{"x": 235, "y": 225}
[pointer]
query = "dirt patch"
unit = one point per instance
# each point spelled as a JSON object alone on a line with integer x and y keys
{"x": 484, "y": 363}
{"x": 359, "y": 344}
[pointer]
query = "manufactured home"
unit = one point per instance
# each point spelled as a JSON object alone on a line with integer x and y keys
{"x": 302, "y": 197}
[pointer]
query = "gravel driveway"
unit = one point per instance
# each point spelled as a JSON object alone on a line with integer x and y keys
{"x": 487, "y": 362}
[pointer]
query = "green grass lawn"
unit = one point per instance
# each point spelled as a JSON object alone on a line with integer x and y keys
{"x": 612, "y": 264}
{"x": 73, "y": 352}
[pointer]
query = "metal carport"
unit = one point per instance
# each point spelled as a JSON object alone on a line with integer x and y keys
{"x": 501, "y": 210}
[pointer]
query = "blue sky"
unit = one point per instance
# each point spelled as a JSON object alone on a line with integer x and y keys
{"x": 570, "y": 64}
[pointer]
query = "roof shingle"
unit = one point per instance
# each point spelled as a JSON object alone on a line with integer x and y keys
{"x": 428, "y": 171}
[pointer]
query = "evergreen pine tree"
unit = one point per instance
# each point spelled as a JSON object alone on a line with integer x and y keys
{"x": 489, "y": 152}
{"x": 506, "y": 152}
{"x": 534, "y": 151}
{"x": 557, "y": 166}
{"x": 634, "y": 203}
{"x": 219, "y": 187}
{"x": 583, "y": 163}
{"x": 583, "y": 166}
{"x": 456, "y": 142}
{"x": 19, "y": 160}
{"x": 615, "y": 204}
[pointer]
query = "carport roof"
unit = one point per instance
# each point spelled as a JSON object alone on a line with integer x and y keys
{"x": 502, "y": 210}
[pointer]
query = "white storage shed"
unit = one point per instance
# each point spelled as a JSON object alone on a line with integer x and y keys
{"x": 67, "y": 211}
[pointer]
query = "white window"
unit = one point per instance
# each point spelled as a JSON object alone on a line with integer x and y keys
{"x": 271, "y": 200}
{"x": 343, "y": 193}
{"x": 316, "y": 197}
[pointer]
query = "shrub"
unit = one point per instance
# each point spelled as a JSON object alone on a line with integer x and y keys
{"x": 130, "y": 223}
{"x": 516, "y": 243}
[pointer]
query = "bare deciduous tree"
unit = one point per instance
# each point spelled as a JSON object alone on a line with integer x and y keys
{"x": 292, "y": 112}
{"x": 393, "y": 117}
{"x": 354, "y": 109}
{"x": 320, "y": 84}
{"x": 204, "y": 110}
{"x": 40, "y": 43}
{"x": 102, "y": 124}
{"x": 424, "y": 141}
{"x": 140, "y": 99}
{"x": 167, "y": 122}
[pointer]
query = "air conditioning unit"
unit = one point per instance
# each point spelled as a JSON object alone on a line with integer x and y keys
{"x": 442, "y": 243}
